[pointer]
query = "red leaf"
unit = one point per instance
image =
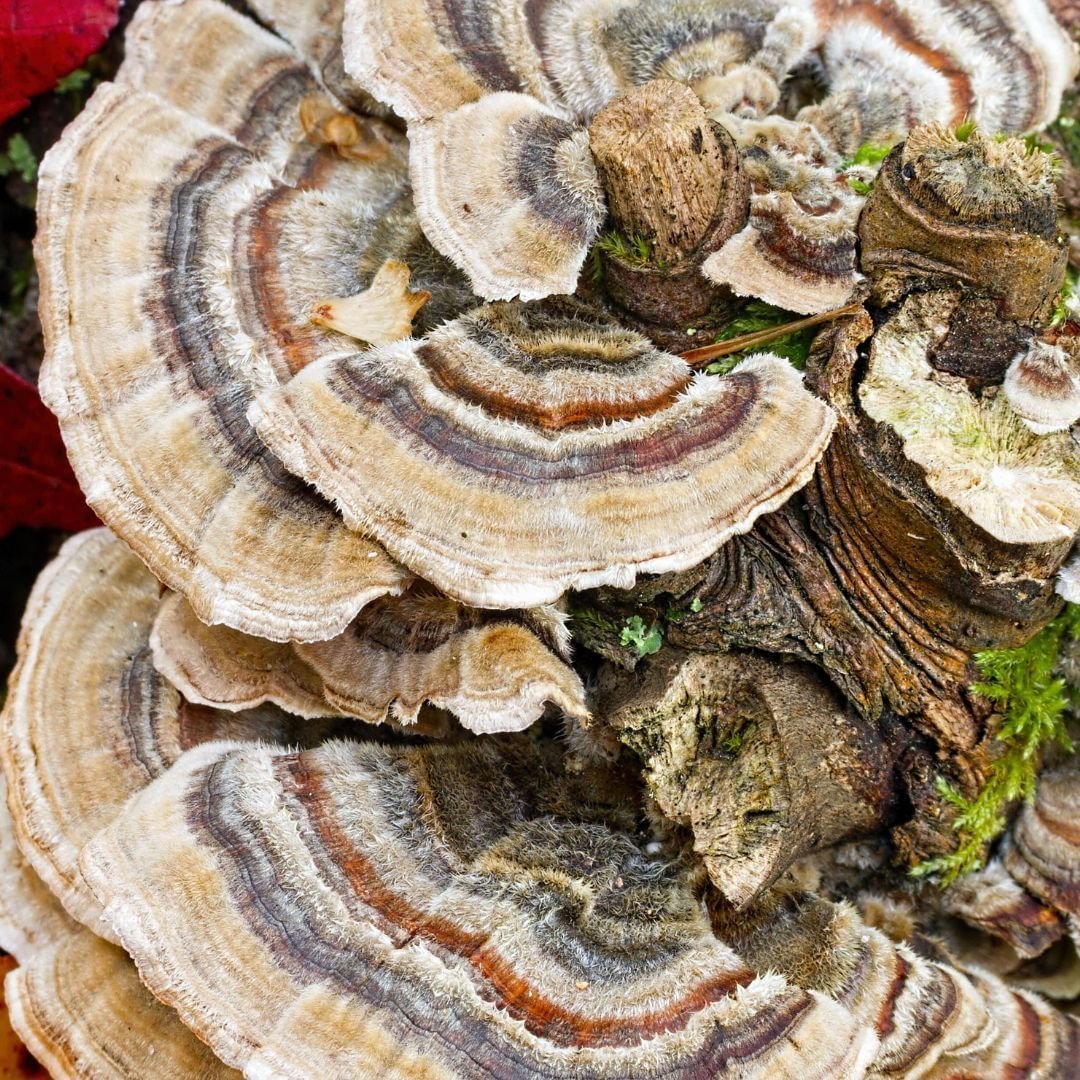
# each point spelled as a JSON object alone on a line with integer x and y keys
{"x": 37, "y": 486}
{"x": 43, "y": 40}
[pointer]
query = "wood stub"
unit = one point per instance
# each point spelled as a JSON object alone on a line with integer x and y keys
{"x": 762, "y": 759}
{"x": 909, "y": 236}
{"x": 674, "y": 180}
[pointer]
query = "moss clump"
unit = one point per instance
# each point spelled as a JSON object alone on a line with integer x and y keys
{"x": 1034, "y": 701}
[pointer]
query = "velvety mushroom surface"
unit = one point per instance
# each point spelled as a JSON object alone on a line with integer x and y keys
{"x": 88, "y": 720}
{"x": 76, "y": 1000}
{"x": 517, "y": 452}
{"x": 400, "y": 656}
{"x": 473, "y": 83}
{"x": 164, "y": 314}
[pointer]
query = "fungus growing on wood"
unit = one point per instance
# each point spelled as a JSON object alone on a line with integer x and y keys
{"x": 156, "y": 209}
{"x": 976, "y": 452}
{"x": 417, "y": 650}
{"x": 387, "y": 534}
{"x": 517, "y": 452}
{"x": 86, "y": 696}
{"x": 465, "y": 886}
{"x": 76, "y": 1000}
{"x": 1043, "y": 387}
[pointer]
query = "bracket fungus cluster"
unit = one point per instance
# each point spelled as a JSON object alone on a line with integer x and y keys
{"x": 468, "y": 681}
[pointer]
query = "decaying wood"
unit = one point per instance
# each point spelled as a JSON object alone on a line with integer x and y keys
{"x": 763, "y": 760}
{"x": 882, "y": 585}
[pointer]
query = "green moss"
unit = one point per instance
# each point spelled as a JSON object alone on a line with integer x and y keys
{"x": 646, "y": 640}
{"x": 586, "y": 618}
{"x": 1033, "y": 701}
{"x": 870, "y": 154}
{"x": 1068, "y": 291}
{"x": 965, "y": 130}
{"x": 860, "y": 187}
{"x": 633, "y": 250}
{"x": 757, "y": 315}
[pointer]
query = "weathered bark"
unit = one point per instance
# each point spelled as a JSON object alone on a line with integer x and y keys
{"x": 884, "y": 586}
{"x": 673, "y": 179}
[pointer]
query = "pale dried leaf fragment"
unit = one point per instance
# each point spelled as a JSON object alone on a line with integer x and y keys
{"x": 352, "y": 138}
{"x": 382, "y": 313}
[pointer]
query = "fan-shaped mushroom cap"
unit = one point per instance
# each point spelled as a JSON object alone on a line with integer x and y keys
{"x": 519, "y": 452}
{"x": 75, "y": 1000}
{"x": 164, "y": 311}
{"x": 926, "y": 1013}
{"x": 992, "y": 900}
{"x": 426, "y": 58}
{"x": 1043, "y": 388}
{"x": 492, "y": 674}
{"x": 1043, "y": 850}
{"x": 976, "y": 452}
{"x": 82, "y": 1011}
{"x": 521, "y": 217}
{"x": 1068, "y": 580}
{"x": 88, "y": 720}
{"x": 461, "y": 910}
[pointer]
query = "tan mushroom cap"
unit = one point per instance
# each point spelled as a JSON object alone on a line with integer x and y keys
{"x": 520, "y": 217}
{"x": 1043, "y": 387}
{"x": 88, "y": 721}
{"x": 82, "y": 1011}
{"x": 994, "y": 902}
{"x": 456, "y": 910}
{"x": 1043, "y": 850}
{"x": 522, "y": 451}
{"x": 976, "y": 452}
{"x": 491, "y": 673}
{"x": 164, "y": 313}
{"x": 426, "y": 58}
{"x": 75, "y": 1000}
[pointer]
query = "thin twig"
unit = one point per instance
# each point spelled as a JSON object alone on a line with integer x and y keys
{"x": 707, "y": 353}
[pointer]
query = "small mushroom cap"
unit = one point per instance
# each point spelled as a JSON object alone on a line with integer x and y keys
{"x": 1043, "y": 387}
{"x": 522, "y": 451}
{"x": 976, "y": 452}
{"x": 520, "y": 218}
{"x": 992, "y": 900}
{"x": 492, "y": 674}
{"x": 157, "y": 209}
{"x": 327, "y": 913}
{"x": 1043, "y": 850}
{"x": 88, "y": 720}
{"x": 1068, "y": 580}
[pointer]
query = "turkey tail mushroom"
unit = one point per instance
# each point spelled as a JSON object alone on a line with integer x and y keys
{"x": 157, "y": 209}
{"x": 393, "y": 663}
{"x": 523, "y": 451}
{"x": 88, "y": 720}
{"x": 467, "y": 887}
